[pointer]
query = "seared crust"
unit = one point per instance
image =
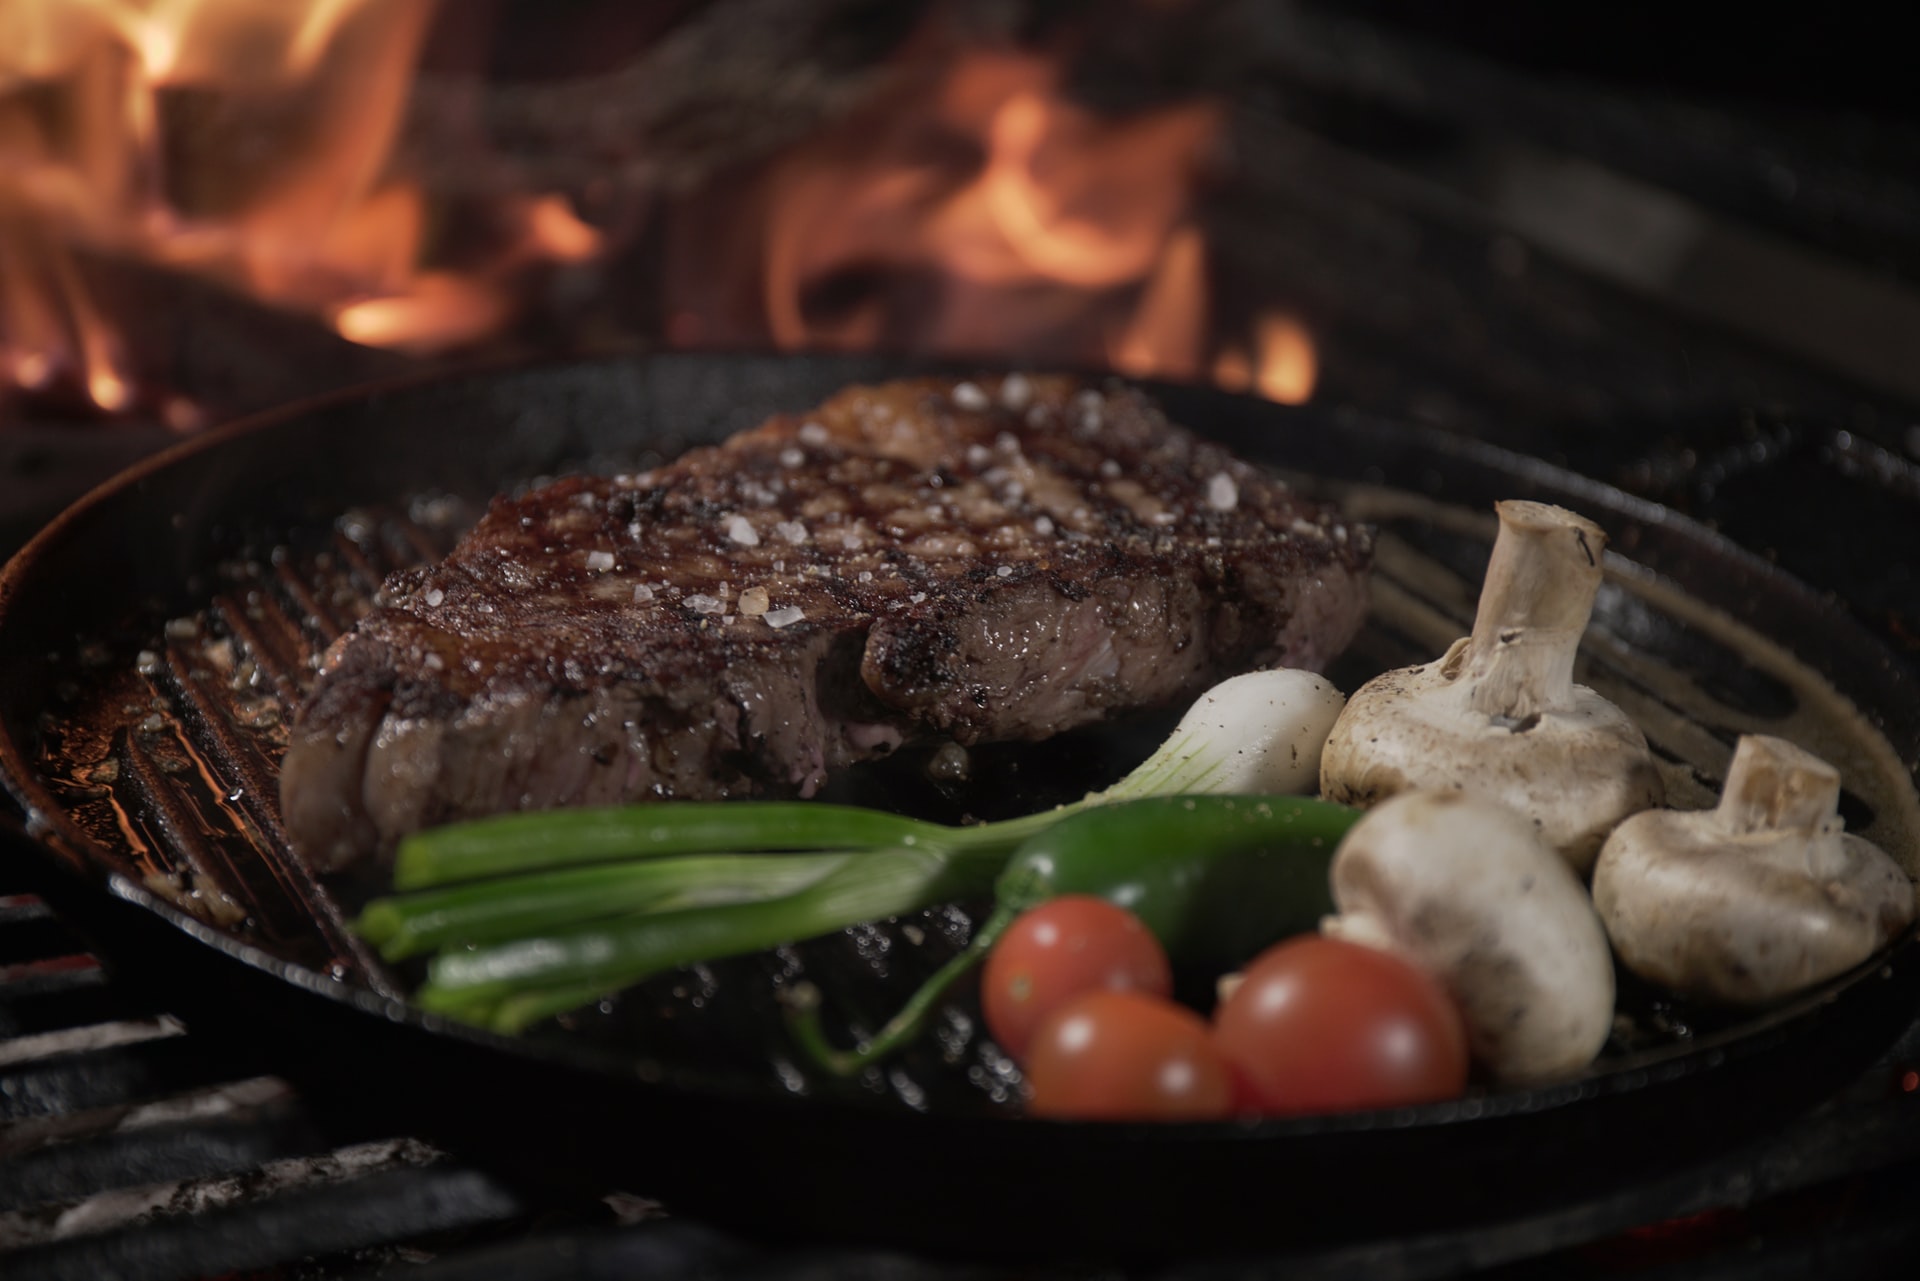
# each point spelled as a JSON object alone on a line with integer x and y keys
{"x": 1002, "y": 559}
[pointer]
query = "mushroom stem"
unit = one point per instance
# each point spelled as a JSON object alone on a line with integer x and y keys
{"x": 1773, "y": 786}
{"x": 1534, "y": 605}
{"x": 1499, "y": 715}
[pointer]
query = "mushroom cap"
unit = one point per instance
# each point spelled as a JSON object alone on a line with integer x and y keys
{"x": 1466, "y": 889}
{"x": 1575, "y": 771}
{"x": 1745, "y": 917}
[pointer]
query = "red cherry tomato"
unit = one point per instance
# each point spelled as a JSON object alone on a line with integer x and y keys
{"x": 1324, "y": 1025}
{"x": 1126, "y": 1056}
{"x": 1065, "y": 947}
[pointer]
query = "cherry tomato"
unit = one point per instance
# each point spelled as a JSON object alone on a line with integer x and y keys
{"x": 1126, "y": 1056}
{"x": 1324, "y": 1025}
{"x": 1065, "y": 947}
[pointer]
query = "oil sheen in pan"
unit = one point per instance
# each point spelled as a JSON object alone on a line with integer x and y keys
{"x": 168, "y": 739}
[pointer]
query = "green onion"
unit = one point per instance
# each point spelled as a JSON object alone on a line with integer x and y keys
{"x": 514, "y": 907}
{"x": 562, "y": 838}
{"x": 607, "y": 956}
{"x": 532, "y": 914}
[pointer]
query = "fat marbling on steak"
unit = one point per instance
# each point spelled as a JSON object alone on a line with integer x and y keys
{"x": 989, "y": 560}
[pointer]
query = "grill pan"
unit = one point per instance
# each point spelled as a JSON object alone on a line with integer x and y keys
{"x": 154, "y": 638}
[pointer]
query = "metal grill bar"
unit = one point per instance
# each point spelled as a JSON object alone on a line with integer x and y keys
{"x": 50, "y": 1000}
{"x": 116, "y": 1077}
{"x": 68, "y": 1172}
{"x": 395, "y": 1205}
{"x": 28, "y": 931}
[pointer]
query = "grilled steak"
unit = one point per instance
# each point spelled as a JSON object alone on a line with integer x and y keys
{"x": 987, "y": 561}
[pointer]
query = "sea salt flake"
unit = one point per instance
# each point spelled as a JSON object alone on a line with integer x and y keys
{"x": 433, "y": 662}
{"x": 813, "y": 434}
{"x": 740, "y": 530}
{"x": 435, "y": 596}
{"x": 978, "y": 456}
{"x": 1043, "y": 525}
{"x": 701, "y": 603}
{"x": 1016, "y": 391}
{"x": 866, "y": 576}
{"x": 792, "y": 457}
{"x": 791, "y": 530}
{"x": 969, "y": 396}
{"x": 1005, "y": 571}
{"x": 599, "y": 562}
{"x": 917, "y": 597}
{"x": 642, "y": 592}
{"x": 1109, "y": 468}
{"x": 1222, "y": 494}
{"x": 784, "y": 616}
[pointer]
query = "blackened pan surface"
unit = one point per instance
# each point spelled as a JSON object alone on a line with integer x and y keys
{"x": 152, "y": 639}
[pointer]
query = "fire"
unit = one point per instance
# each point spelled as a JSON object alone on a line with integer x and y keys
{"x": 991, "y": 217}
{"x": 976, "y": 209}
{"x": 250, "y": 142}
{"x": 1069, "y": 239}
{"x": 1284, "y": 369}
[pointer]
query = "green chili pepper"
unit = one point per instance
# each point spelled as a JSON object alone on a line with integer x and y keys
{"x": 1216, "y": 878}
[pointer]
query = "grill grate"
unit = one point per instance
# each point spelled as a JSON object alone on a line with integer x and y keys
{"x": 128, "y": 1149}
{"x": 183, "y": 769}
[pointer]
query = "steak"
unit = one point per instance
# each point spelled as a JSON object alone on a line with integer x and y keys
{"x": 991, "y": 560}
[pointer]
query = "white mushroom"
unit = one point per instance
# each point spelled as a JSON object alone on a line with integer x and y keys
{"x": 1756, "y": 899}
{"x": 1466, "y": 889}
{"x": 1499, "y": 713}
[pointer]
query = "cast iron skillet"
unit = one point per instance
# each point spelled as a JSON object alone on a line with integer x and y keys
{"x": 569, "y": 1115}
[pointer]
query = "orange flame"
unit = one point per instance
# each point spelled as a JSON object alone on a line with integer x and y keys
{"x": 1069, "y": 236}
{"x": 1286, "y": 365}
{"x": 979, "y": 212}
{"x": 1070, "y": 239}
{"x": 295, "y": 199}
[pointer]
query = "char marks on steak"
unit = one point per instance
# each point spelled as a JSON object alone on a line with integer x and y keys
{"x": 993, "y": 560}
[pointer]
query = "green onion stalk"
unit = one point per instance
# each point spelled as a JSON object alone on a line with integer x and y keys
{"x": 530, "y": 915}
